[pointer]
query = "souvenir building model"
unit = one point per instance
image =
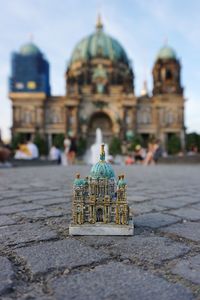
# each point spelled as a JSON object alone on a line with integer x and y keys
{"x": 100, "y": 203}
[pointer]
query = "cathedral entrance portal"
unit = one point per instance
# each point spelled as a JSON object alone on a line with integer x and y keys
{"x": 100, "y": 120}
{"x": 99, "y": 215}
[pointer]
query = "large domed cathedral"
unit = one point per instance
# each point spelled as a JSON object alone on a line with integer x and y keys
{"x": 99, "y": 94}
{"x": 100, "y": 78}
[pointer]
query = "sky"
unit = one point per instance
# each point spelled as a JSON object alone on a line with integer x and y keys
{"x": 141, "y": 26}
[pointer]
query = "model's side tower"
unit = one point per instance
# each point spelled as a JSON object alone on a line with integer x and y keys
{"x": 122, "y": 210}
{"x": 78, "y": 200}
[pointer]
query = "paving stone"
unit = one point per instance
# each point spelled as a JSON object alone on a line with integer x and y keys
{"x": 67, "y": 253}
{"x": 45, "y": 193}
{"x": 17, "y": 234}
{"x": 33, "y": 196}
{"x": 5, "y": 220}
{"x": 50, "y": 201}
{"x": 99, "y": 241}
{"x": 18, "y": 208}
{"x": 189, "y": 269}
{"x": 188, "y": 230}
{"x": 185, "y": 198}
{"x": 141, "y": 208}
{"x": 136, "y": 198}
{"x": 186, "y": 213}
{"x": 147, "y": 249}
{"x": 9, "y": 194}
{"x": 30, "y": 291}
{"x": 171, "y": 203}
{"x": 41, "y": 213}
{"x": 155, "y": 220}
{"x": 57, "y": 193}
{"x": 117, "y": 281}
{"x": 196, "y": 206}
{"x": 9, "y": 202}
{"x": 6, "y": 274}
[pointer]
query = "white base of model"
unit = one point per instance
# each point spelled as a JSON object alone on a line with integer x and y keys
{"x": 102, "y": 229}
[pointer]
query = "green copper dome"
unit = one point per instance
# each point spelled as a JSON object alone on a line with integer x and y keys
{"x": 99, "y": 44}
{"x": 102, "y": 169}
{"x": 166, "y": 52}
{"x": 121, "y": 182}
{"x": 79, "y": 181}
{"x": 29, "y": 49}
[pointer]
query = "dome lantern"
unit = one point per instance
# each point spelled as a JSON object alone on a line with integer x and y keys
{"x": 99, "y": 24}
{"x": 29, "y": 49}
{"x": 166, "y": 53}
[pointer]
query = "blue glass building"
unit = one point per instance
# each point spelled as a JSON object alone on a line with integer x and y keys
{"x": 29, "y": 71}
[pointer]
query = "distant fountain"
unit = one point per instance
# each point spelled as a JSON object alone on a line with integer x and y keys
{"x": 92, "y": 156}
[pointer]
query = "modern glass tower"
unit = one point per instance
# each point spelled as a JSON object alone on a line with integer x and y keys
{"x": 29, "y": 71}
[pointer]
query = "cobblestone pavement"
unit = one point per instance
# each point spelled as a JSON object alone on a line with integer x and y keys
{"x": 38, "y": 259}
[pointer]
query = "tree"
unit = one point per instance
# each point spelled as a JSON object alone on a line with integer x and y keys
{"x": 81, "y": 146}
{"x": 17, "y": 139}
{"x": 192, "y": 140}
{"x": 136, "y": 140}
{"x": 115, "y": 146}
{"x": 58, "y": 140}
{"x": 41, "y": 144}
{"x": 174, "y": 145}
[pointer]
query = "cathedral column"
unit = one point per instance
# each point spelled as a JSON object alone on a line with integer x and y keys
{"x": 49, "y": 140}
{"x": 75, "y": 121}
{"x": 182, "y": 138}
{"x": 162, "y": 138}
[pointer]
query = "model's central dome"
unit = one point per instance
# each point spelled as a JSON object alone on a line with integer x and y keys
{"x": 98, "y": 45}
{"x": 102, "y": 169}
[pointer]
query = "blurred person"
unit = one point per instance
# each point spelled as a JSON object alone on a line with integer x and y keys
{"x": 149, "y": 160}
{"x": 139, "y": 154}
{"x": 67, "y": 145}
{"x": 5, "y": 153}
{"x": 157, "y": 151}
{"x": 193, "y": 150}
{"x": 72, "y": 151}
{"x": 124, "y": 148}
{"x": 55, "y": 154}
{"x": 129, "y": 160}
{"x": 33, "y": 149}
{"x": 180, "y": 154}
{"x": 110, "y": 159}
{"x": 22, "y": 151}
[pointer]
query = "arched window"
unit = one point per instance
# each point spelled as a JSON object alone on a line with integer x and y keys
{"x": 168, "y": 74}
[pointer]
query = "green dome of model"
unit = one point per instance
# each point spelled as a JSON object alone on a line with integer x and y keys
{"x": 102, "y": 169}
{"x": 79, "y": 181}
{"x": 166, "y": 52}
{"x": 29, "y": 49}
{"x": 121, "y": 182}
{"x": 99, "y": 44}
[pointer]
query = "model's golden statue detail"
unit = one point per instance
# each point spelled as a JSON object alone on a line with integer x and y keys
{"x": 100, "y": 203}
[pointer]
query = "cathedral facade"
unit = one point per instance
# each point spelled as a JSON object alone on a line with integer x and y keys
{"x": 99, "y": 94}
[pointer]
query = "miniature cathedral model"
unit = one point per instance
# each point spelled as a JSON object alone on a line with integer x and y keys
{"x": 100, "y": 203}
